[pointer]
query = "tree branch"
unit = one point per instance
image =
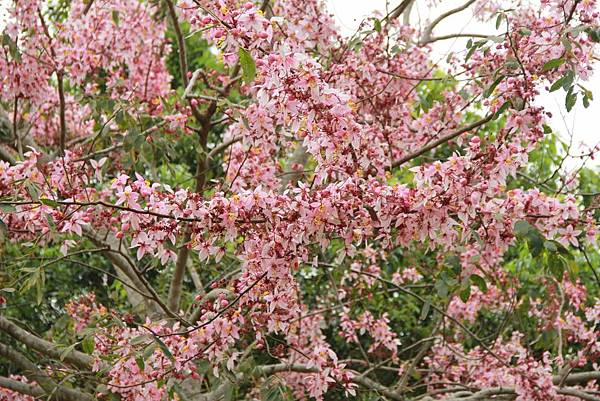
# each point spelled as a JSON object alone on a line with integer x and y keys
{"x": 455, "y": 35}
{"x": 126, "y": 271}
{"x": 577, "y": 378}
{"x": 33, "y": 373}
{"x": 180, "y": 42}
{"x": 398, "y": 10}
{"x": 22, "y": 388}
{"x": 63, "y": 122}
{"x": 74, "y": 357}
{"x": 488, "y": 393}
{"x": 441, "y": 141}
{"x": 6, "y": 156}
{"x": 201, "y": 169}
{"x": 426, "y": 36}
{"x": 361, "y": 380}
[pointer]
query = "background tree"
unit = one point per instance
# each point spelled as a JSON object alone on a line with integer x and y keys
{"x": 211, "y": 200}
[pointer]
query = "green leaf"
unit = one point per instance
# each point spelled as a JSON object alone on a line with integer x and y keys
{"x": 67, "y": 351}
{"x": 248, "y": 65}
{"x": 465, "y": 294}
{"x": 558, "y": 84}
{"x": 502, "y": 109}
{"x": 569, "y": 76}
{"x": 139, "y": 339}
{"x": 535, "y": 242}
{"x": 182, "y": 395}
{"x": 556, "y": 266}
{"x": 570, "y": 101}
{"x": 475, "y": 46}
{"x": 139, "y": 361}
{"x": 102, "y": 389}
{"x": 552, "y": 64}
{"x": 163, "y": 347}
{"x": 522, "y": 227}
{"x": 49, "y": 202}
{"x": 442, "y": 288}
{"x": 115, "y": 17}
{"x": 88, "y": 344}
{"x": 3, "y": 230}
{"x": 490, "y": 89}
{"x": 12, "y": 47}
{"x": 33, "y": 192}
{"x": 525, "y": 31}
{"x": 377, "y": 26}
{"x": 229, "y": 393}
{"x": 565, "y": 42}
{"x": 594, "y": 34}
{"x": 499, "y": 20}
{"x": 551, "y": 246}
{"x": 39, "y": 287}
{"x": 425, "y": 310}
{"x": 6, "y": 208}
{"x": 479, "y": 282}
{"x": 274, "y": 389}
{"x": 547, "y": 129}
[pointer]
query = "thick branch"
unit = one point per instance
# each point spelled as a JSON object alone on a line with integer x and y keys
{"x": 577, "y": 393}
{"x": 577, "y": 378}
{"x": 75, "y": 358}
{"x": 33, "y": 373}
{"x": 177, "y": 280}
{"x": 176, "y": 285}
{"x": 22, "y": 388}
{"x": 196, "y": 279}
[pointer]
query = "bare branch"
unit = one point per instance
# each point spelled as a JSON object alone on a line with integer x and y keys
{"x": 426, "y": 36}
{"x": 100, "y": 152}
{"x": 455, "y": 35}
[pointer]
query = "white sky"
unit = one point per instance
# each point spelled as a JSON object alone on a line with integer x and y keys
{"x": 581, "y": 122}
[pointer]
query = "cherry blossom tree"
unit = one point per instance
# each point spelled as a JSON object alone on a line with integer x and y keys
{"x": 206, "y": 200}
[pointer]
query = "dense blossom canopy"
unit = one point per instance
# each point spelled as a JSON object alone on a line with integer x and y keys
{"x": 270, "y": 210}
